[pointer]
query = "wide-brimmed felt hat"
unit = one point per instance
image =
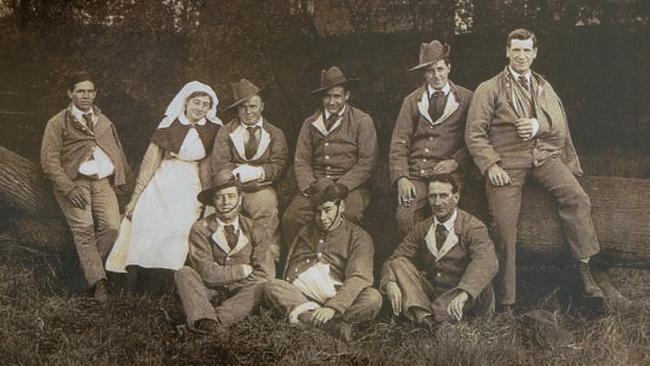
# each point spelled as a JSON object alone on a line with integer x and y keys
{"x": 430, "y": 53}
{"x": 332, "y": 77}
{"x": 242, "y": 90}
{"x": 224, "y": 179}
{"x": 334, "y": 192}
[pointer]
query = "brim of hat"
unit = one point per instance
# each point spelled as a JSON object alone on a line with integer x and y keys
{"x": 244, "y": 98}
{"x": 205, "y": 196}
{"x": 421, "y": 66}
{"x": 348, "y": 81}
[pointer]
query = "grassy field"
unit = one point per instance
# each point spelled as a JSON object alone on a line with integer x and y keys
{"x": 42, "y": 324}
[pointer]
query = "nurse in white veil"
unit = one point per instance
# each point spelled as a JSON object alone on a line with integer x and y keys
{"x": 157, "y": 221}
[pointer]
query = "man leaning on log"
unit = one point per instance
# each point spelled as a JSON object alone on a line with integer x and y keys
{"x": 517, "y": 129}
{"x": 81, "y": 154}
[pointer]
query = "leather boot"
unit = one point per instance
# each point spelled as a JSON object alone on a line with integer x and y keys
{"x": 101, "y": 291}
{"x": 589, "y": 285}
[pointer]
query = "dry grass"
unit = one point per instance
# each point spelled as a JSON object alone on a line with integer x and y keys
{"x": 39, "y": 324}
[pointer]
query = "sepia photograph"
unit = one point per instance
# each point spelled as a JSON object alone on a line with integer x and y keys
{"x": 325, "y": 182}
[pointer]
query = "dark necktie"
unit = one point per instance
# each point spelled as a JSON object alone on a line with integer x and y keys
{"x": 88, "y": 118}
{"x": 231, "y": 236}
{"x": 251, "y": 145}
{"x": 330, "y": 121}
{"x": 437, "y": 105}
{"x": 441, "y": 235}
{"x": 524, "y": 82}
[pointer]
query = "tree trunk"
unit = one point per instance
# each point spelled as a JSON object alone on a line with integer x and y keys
{"x": 31, "y": 217}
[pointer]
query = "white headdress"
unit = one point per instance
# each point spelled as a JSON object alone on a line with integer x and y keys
{"x": 176, "y": 108}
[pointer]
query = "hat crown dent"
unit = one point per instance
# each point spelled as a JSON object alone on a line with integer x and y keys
{"x": 243, "y": 89}
{"x": 431, "y": 52}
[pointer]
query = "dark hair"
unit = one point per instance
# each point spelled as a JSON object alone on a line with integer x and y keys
{"x": 199, "y": 94}
{"x": 522, "y": 34}
{"x": 445, "y": 178}
{"x": 75, "y": 77}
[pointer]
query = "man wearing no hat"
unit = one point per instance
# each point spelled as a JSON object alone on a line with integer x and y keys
{"x": 428, "y": 134}
{"x": 229, "y": 260}
{"x": 338, "y": 143}
{"x": 517, "y": 130}
{"x": 256, "y": 152}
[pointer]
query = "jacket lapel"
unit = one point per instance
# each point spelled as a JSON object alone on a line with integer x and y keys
{"x": 423, "y": 105}
{"x": 237, "y": 137}
{"x": 319, "y": 123}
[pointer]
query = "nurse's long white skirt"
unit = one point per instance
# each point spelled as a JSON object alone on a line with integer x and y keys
{"x": 157, "y": 234}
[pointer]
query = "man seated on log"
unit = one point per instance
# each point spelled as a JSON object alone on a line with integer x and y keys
{"x": 257, "y": 153}
{"x": 329, "y": 271}
{"x": 428, "y": 135}
{"x": 338, "y": 143}
{"x": 229, "y": 261}
{"x": 81, "y": 154}
{"x": 517, "y": 129}
{"x": 442, "y": 269}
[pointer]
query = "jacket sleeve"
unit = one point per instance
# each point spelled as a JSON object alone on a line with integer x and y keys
{"x": 303, "y": 158}
{"x": 221, "y": 157}
{"x": 462, "y": 155}
{"x": 150, "y": 163}
{"x": 212, "y": 273}
{"x": 483, "y": 265}
{"x": 479, "y": 119}
{"x": 400, "y": 143}
{"x": 277, "y": 167}
{"x": 358, "y": 273}
{"x": 366, "y": 155}
{"x": 408, "y": 248}
{"x": 51, "y": 158}
{"x": 261, "y": 258}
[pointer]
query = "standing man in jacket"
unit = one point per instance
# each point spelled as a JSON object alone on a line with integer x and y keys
{"x": 428, "y": 137}
{"x": 81, "y": 154}
{"x": 256, "y": 152}
{"x": 338, "y": 143}
{"x": 517, "y": 129}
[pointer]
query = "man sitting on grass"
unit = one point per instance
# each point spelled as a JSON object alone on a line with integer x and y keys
{"x": 229, "y": 261}
{"x": 328, "y": 272}
{"x": 442, "y": 269}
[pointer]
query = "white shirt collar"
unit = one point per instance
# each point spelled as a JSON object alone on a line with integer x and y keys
{"x": 327, "y": 113}
{"x": 430, "y": 90}
{"x": 79, "y": 114}
{"x": 182, "y": 118}
{"x": 516, "y": 75}
{"x": 449, "y": 224}
{"x": 257, "y": 124}
{"x": 221, "y": 224}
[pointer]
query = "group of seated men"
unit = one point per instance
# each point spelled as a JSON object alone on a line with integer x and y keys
{"x": 513, "y": 127}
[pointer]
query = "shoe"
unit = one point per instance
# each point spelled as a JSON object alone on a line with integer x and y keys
{"x": 305, "y": 320}
{"x": 589, "y": 285}
{"x": 207, "y": 326}
{"x": 505, "y": 309}
{"x": 428, "y": 324}
{"x": 101, "y": 291}
{"x": 341, "y": 330}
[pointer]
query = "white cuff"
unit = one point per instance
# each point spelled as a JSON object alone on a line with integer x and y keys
{"x": 535, "y": 127}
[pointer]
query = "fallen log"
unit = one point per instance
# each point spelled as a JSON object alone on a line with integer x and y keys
{"x": 620, "y": 214}
{"x": 620, "y": 211}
